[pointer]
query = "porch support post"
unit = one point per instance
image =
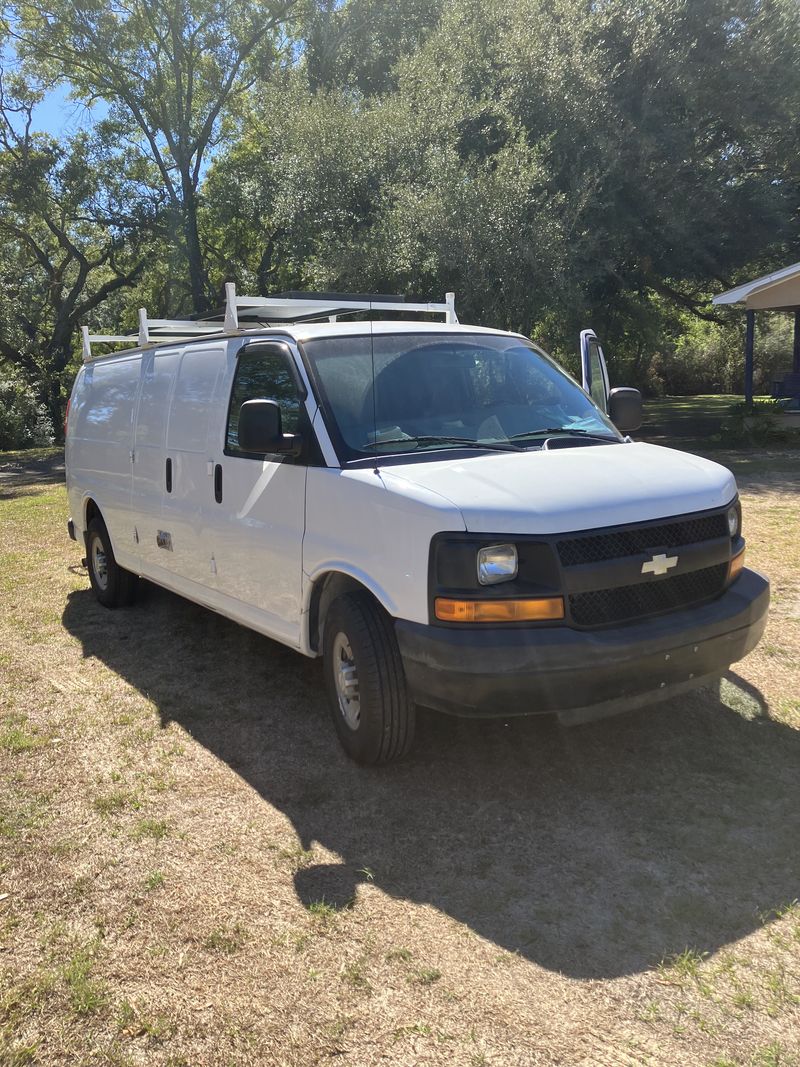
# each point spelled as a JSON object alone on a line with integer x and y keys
{"x": 748, "y": 358}
{"x": 796, "y": 349}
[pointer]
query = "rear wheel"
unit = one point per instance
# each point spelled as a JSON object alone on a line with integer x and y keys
{"x": 113, "y": 586}
{"x": 365, "y": 682}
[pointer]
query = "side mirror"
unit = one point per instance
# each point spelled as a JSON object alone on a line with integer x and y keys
{"x": 261, "y": 429}
{"x": 625, "y": 409}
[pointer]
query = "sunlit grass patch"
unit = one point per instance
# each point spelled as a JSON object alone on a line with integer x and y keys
{"x": 154, "y": 880}
{"x": 22, "y": 812}
{"x": 355, "y": 975}
{"x": 115, "y": 801}
{"x": 155, "y": 829}
{"x": 87, "y": 994}
{"x": 134, "y": 1020}
{"x": 17, "y": 735}
{"x": 322, "y": 910}
{"x": 425, "y": 976}
{"x": 227, "y": 939}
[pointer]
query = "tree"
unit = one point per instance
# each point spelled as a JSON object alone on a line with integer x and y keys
{"x": 172, "y": 72}
{"x": 548, "y": 160}
{"x": 70, "y": 239}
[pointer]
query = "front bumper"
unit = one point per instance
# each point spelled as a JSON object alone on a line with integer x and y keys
{"x": 582, "y": 674}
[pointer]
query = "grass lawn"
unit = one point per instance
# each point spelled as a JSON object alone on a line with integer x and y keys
{"x": 192, "y": 873}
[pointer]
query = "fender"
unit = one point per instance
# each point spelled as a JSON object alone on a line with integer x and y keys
{"x": 311, "y": 585}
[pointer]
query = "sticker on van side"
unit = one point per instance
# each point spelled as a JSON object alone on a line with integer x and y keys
{"x": 164, "y": 540}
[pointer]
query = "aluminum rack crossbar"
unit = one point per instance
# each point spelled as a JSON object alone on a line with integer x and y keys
{"x": 295, "y": 307}
{"x": 151, "y": 331}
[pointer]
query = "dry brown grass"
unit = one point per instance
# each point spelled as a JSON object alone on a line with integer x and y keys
{"x": 196, "y": 875}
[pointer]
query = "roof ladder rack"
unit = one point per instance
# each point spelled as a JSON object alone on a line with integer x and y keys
{"x": 295, "y": 307}
{"x": 243, "y": 312}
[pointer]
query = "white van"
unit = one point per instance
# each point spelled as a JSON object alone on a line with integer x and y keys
{"x": 438, "y": 510}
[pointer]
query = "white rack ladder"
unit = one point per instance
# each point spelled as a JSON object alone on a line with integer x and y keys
{"x": 257, "y": 311}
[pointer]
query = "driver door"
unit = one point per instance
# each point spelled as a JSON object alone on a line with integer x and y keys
{"x": 593, "y": 370}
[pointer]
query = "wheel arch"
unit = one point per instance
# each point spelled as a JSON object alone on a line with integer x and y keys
{"x": 326, "y": 587}
{"x": 90, "y": 511}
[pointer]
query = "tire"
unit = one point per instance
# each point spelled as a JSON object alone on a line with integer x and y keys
{"x": 375, "y": 722}
{"x": 113, "y": 586}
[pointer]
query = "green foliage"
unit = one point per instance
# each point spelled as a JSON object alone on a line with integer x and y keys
{"x": 72, "y": 217}
{"x": 24, "y": 422}
{"x": 559, "y": 165}
{"x": 755, "y": 425}
{"x": 173, "y": 76}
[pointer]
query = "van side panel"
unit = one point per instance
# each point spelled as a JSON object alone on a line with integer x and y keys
{"x": 185, "y": 552}
{"x": 100, "y": 444}
{"x": 150, "y": 444}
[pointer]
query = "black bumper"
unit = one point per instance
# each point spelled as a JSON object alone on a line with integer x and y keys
{"x": 582, "y": 674}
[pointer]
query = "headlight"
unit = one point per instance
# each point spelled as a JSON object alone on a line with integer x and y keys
{"x": 734, "y": 521}
{"x": 497, "y": 563}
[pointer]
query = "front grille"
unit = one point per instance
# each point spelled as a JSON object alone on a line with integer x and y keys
{"x": 603, "y": 606}
{"x": 629, "y": 542}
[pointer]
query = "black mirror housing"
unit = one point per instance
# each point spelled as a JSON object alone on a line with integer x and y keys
{"x": 261, "y": 429}
{"x": 625, "y": 409}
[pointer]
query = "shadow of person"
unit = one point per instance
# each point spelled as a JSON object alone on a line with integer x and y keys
{"x": 594, "y": 851}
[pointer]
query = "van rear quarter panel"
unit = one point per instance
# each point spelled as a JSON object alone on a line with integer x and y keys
{"x": 99, "y": 444}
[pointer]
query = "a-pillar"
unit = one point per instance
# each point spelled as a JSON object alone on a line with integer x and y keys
{"x": 748, "y": 358}
{"x": 796, "y": 349}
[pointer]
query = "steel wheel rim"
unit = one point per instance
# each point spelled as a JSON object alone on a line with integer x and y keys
{"x": 345, "y": 678}
{"x": 99, "y": 564}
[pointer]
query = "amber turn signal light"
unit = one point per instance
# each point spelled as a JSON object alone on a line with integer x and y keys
{"x": 543, "y": 609}
{"x": 735, "y": 566}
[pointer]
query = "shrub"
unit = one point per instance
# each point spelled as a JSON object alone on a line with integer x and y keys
{"x": 24, "y": 422}
{"x": 754, "y": 427}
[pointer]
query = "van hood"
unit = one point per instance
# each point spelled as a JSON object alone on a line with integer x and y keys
{"x": 568, "y": 489}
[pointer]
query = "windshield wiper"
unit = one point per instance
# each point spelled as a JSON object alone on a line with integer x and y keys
{"x": 461, "y": 442}
{"x": 568, "y": 430}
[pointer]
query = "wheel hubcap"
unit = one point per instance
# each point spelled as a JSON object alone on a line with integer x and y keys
{"x": 99, "y": 563}
{"x": 346, "y": 678}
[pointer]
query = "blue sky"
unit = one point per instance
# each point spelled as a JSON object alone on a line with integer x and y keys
{"x": 58, "y": 115}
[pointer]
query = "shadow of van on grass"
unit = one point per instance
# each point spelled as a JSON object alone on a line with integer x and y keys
{"x": 594, "y": 851}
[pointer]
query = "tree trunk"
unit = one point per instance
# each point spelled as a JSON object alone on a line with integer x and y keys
{"x": 59, "y": 354}
{"x": 194, "y": 256}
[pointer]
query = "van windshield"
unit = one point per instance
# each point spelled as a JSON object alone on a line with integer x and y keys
{"x": 434, "y": 391}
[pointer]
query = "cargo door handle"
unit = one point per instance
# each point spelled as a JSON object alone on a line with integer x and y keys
{"x": 168, "y": 476}
{"x": 218, "y": 483}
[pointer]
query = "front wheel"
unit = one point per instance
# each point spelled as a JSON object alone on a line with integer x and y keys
{"x": 113, "y": 586}
{"x": 365, "y": 681}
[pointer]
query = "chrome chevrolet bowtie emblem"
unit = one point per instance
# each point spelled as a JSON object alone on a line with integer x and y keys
{"x": 659, "y": 564}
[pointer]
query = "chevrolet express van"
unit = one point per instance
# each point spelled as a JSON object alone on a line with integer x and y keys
{"x": 438, "y": 510}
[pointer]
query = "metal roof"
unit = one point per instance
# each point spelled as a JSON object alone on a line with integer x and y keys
{"x": 741, "y": 293}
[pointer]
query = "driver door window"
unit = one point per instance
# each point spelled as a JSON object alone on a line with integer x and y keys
{"x": 263, "y": 373}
